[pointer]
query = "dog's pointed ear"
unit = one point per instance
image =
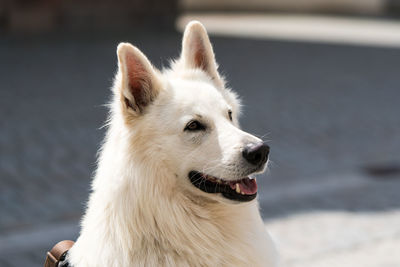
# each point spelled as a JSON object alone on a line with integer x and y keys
{"x": 139, "y": 81}
{"x": 197, "y": 51}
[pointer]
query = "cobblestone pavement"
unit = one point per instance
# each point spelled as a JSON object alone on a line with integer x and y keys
{"x": 343, "y": 239}
{"x": 331, "y": 114}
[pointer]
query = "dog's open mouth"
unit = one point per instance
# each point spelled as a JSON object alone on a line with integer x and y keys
{"x": 244, "y": 189}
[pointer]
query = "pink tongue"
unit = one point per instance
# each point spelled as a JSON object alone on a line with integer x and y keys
{"x": 247, "y": 186}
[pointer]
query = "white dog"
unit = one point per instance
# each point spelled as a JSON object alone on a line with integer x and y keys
{"x": 173, "y": 185}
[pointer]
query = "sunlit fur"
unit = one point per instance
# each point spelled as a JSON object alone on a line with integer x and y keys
{"x": 143, "y": 210}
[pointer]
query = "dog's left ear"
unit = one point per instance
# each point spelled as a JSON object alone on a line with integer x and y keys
{"x": 197, "y": 51}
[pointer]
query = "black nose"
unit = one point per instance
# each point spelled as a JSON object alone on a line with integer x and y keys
{"x": 256, "y": 154}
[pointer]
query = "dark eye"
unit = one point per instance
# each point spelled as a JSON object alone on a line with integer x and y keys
{"x": 194, "y": 126}
{"x": 230, "y": 114}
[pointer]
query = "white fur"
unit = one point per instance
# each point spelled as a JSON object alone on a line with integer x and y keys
{"x": 143, "y": 210}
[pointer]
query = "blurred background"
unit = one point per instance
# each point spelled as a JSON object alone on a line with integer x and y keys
{"x": 319, "y": 79}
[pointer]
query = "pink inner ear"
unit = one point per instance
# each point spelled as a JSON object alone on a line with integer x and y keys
{"x": 138, "y": 81}
{"x": 200, "y": 57}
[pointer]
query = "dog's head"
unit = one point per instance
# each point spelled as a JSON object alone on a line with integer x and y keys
{"x": 186, "y": 121}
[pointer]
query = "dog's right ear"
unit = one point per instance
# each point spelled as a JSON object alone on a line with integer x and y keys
{"x": 139, "y": 82}
{"x": 197, "y": 51}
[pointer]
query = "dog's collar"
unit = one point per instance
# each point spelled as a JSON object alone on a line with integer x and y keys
{"x": 57, "y": 256}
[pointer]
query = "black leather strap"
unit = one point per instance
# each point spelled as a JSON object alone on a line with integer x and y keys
{"x": 63, "y": 262}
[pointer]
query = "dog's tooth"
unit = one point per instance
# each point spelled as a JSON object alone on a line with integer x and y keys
{"x": 242, "y": 193}
{"x": 237, "y": 188}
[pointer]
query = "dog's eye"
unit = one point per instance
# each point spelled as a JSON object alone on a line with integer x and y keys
{"x": 194, "y": 126}
{"x": 230, "y": 114}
